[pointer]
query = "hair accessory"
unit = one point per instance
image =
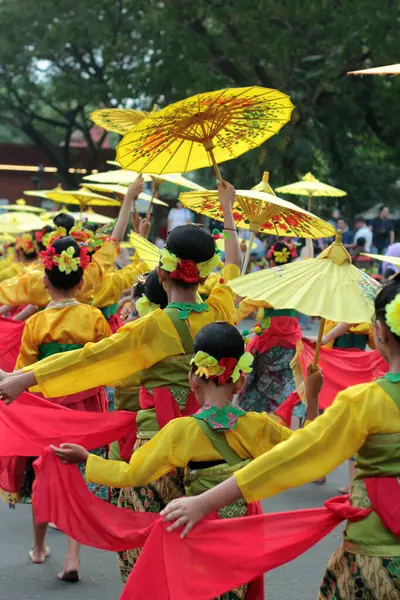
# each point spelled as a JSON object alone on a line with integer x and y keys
{"x": 39, "y": 235}
{"x": 224, "y": 369}
{"x": 393, "y": 315}
{"x": 187, "y": 270}
{"x": 65, "y": 261}
{"x": 282, "y": 256}
{"x": 144, "y": 306}
{"x": 25, "y": 243}
{"x": 79, "y": 233}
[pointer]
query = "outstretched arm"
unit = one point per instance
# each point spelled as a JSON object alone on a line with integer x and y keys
{"x": 123, "y": 218}
{"x": 226, "y": 196}
{"x": 340, "y": 329}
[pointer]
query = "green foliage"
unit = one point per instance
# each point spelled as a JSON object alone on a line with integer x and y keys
{"x": 61, "y": 59}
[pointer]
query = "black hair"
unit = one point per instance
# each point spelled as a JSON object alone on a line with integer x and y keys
{"x": 384, "y": 297}
{"x": 382, "y": 206}
{"x": 138, "y": 287}
{"x": 190, "y": 242}
{"x": 44, "y": 231}
{"x": 64, "y": 220}
{"x": 342, "y": 219}
{"x": 361, "y": 242}
{"x": 278, "y": 247}
{"x": 154, "y": 291}
{"x": 360, "y": 218}
{"x": 91, "y": 227}
{"x": 219, "y": 340}
{"x": 59, "y": 279}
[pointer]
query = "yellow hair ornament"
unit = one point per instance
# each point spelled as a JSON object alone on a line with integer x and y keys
{"x": 393, "y": 315}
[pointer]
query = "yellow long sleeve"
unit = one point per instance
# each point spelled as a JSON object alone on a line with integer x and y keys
{"x": 115, "y": 282}
{"x": 180, "y": 442}
{"x": 327, "y": 442}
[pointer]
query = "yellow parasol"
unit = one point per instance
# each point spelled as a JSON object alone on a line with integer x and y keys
{"x": 82, "y": 197}
{"x": 387, "y": 70}
{"x": 310, "y": 186}
{"x": 328, "y": 286}
{"x": 93, "y": 217}
{"x": 19, "y": 222}
{"x": 117, "y": 176}
{"x": 118, "y": 120}
{"x": 121, "y": 190}
{"x": 261, "y": 211}
{"x": 395, "y": 260}
{"x": 147, "y": 252}
{"x": 21, "y": 205}
{"x": 204, "y": 130}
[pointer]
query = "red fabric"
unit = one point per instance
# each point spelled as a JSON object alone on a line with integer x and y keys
{"x": 283, "y": 331}
{"x": 341, "y": 370}
{"x": 127, "y": 443}
{"x": 384, "y": 493}
{"x": 219, "y": 555}
{"x": 10, "y": 341}
{"x": 115, "y": 322}
{"x": 165, "y": 405}
{"x": 285, "y": 410}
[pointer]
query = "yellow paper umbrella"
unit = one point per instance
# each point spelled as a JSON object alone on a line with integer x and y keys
{"x": 118, "y": 120}
{"x": 147, "y": 252}
{"x": 19, "y": 222}
{"x": 394, "y": 260}
{"x": 328, "y": 286}
{"x": 310, "y": 186}
{"x": 21, "y": 205}
{"x": 117, "y": 176}
{"x": 82, "y": 197}
{"x": 96, "y": 218}
{"x": 204, "y": 130}
{"x": 387, "y": 70}
{"x": 261, "y": 211}
{"x": 121, "y": 190}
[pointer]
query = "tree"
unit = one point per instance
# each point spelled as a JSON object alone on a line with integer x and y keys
{"x": 66, "y": 58}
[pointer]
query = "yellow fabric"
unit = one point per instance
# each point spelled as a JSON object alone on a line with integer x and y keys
{"x": 359, "y": 328}
{"x": 246, "y": 307}
{"x": 28, "y": 288}
{"x": 10, "y": 271}
{"x": 138, "y": 345}
{"x": 77, "y": 324}
{"x": 326, "y": 443}
{"x": 182, "y": 441}
{"x": 115, "y": 282}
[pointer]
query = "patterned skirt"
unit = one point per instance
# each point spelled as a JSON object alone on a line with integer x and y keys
{"x": 148, "y": 498}
{"x": 358, "y": 577}
{"x": 270, "y": 382}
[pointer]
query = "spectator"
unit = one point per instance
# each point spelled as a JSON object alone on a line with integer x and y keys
{"x": 335, "y": 217}
{"x": 178, "y": 216}
{"x": 383, "y": 230}
{"x": 347, "y": 235}
{"x": 363, "y": 231}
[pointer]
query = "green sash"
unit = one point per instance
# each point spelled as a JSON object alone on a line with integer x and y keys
{"x": 272, "y": 312}
{"x": 51, "y": 348}
{"x": 351, "y": 340}
{"x": 219, "y": 442}
{"x": 109, "y": 311}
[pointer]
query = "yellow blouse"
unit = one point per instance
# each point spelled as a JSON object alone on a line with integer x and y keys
{"x": 246, "y": 307}
{"x": 138, "y": 345}
{"x": 74, "y": 324}
{"x": 359, "y": 328}
{"x": 115, "y": 282}
{"x": 325, "y": 444}
{"x": 28, "y": 288}
{"x": 182, "y": 441}
{"x": 9, "y": 272}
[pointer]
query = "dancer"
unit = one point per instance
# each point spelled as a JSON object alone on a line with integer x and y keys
{"x": 159, "y": 345}
{"x": 364, "y": 419}
{"x": 63, "y": 326}
{"x": 212, "y": 444}
{"x": 273, "y": 345}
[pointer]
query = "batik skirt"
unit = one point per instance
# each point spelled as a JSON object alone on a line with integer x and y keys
{"x": 351, "y": 576}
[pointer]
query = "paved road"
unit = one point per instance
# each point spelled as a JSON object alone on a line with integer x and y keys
{"x": 21, "y": 580}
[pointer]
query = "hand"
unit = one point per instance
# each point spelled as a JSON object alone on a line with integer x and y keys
{"x": 135, "y": 188}
{"x": 71, "y": 453}
{"x": 324, "y": 341}
{"x": 126, "y": 311}
{"x": 135, "y": 220}
{"x": 314, "y": 382}
{"x": 226, "y": 195}
{"x": 144, "y": 226}
{"x": 11, "y": 387}
{"x": 3, "y": 375}
{"x": 186, "y": 512}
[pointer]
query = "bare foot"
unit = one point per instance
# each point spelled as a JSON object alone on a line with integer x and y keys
{"x": 39, "y": 556}
{"x": 69, "y": 576}
{"x": 320, "y": 481}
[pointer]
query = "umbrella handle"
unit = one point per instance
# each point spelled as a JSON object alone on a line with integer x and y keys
{"x": 309, "y": 202}
{"x": 318, "y": 346}
{"x": 247, "y": 255}
{"x": 210, "y": 149}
